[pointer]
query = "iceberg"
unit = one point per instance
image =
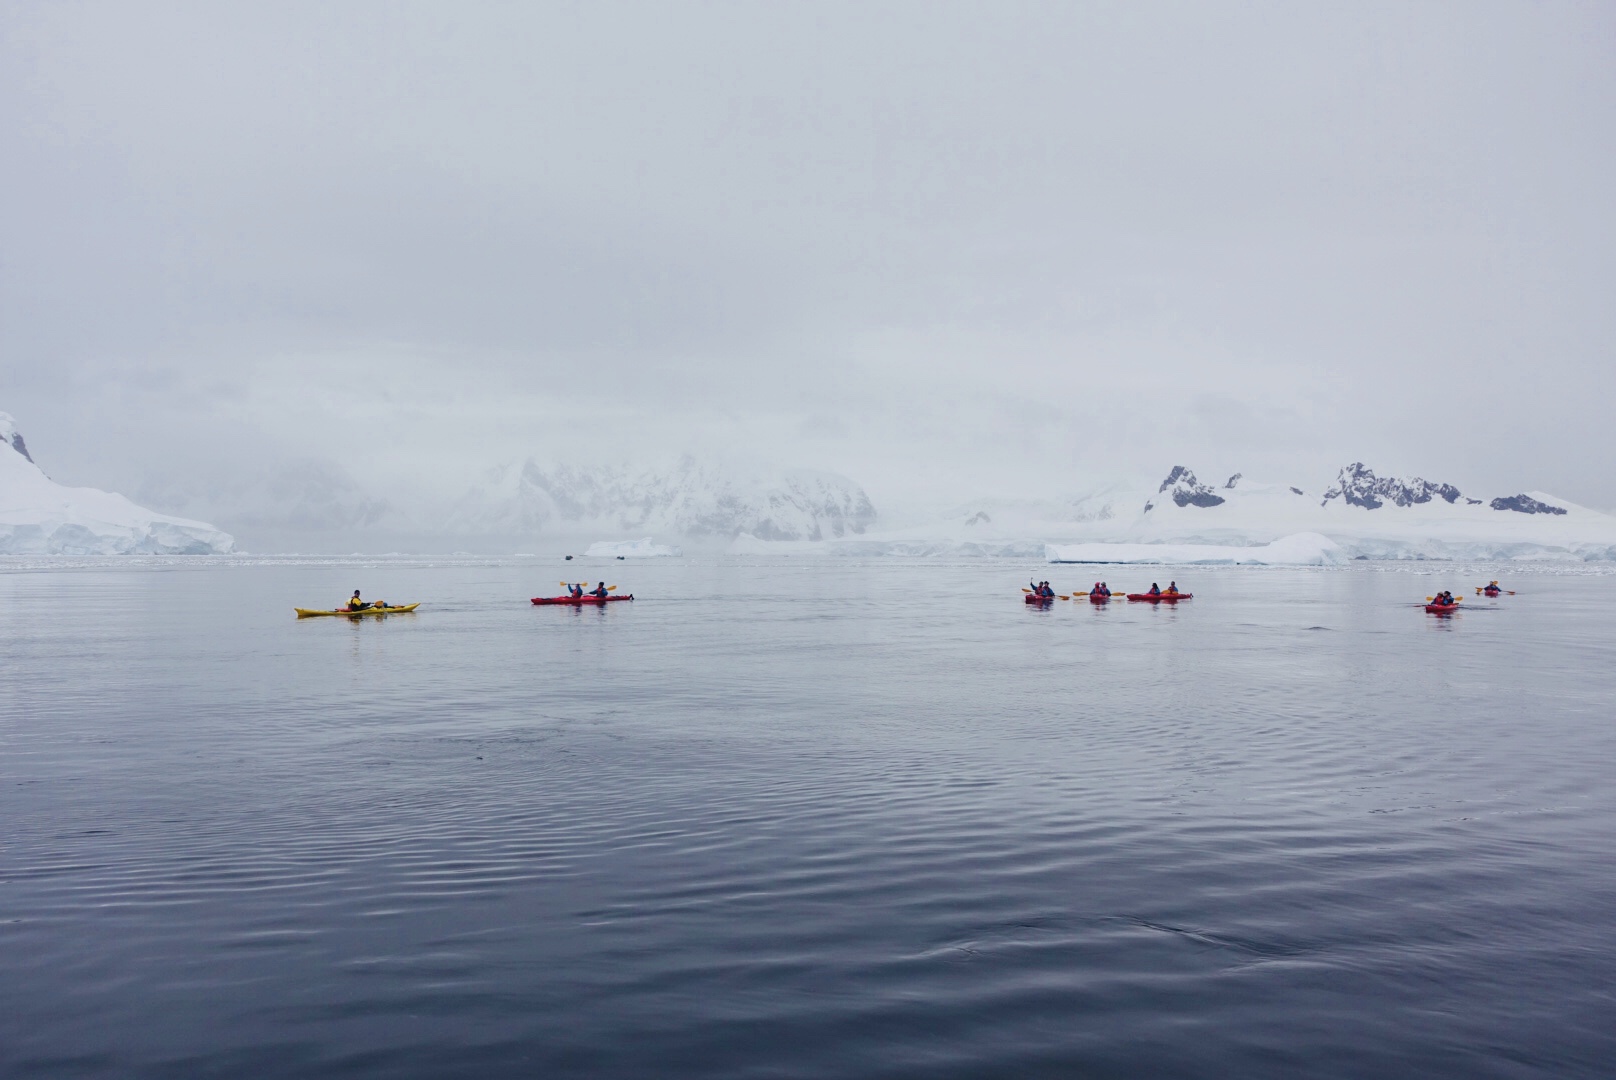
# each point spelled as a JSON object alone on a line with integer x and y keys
{"x": 630, "y": 549}
{"x": 41, "y": 517}
{"x": 1299, "y": 549}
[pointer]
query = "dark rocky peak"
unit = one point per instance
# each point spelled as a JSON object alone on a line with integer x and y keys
{"x": 11, "y": 436}
{"x": 1233, "y": 480}
{"x": 1359, "y": 486}
{"x": 1525, "y": 504}
{"x": 1188, "y": 491}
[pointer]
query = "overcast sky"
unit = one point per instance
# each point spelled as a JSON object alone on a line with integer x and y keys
{"x": 976, "y": 248}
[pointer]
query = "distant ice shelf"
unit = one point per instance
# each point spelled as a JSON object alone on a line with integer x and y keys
{"x": 1300, "y": 549}
{"x": 630, "y": 549}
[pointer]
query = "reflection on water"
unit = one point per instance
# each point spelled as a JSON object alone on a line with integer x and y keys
{"x": 801, "y": 818}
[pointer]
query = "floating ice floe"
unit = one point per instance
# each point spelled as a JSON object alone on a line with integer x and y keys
{"x": 630, "y": 549}
{"x": 1298, "y": 549}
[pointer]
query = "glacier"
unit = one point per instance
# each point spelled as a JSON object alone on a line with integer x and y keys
{"x": 41, "y": 517}
{"x": 630, "y": 549}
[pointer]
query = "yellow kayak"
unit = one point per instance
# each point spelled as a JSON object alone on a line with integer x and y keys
{"x": 306, "y": 613}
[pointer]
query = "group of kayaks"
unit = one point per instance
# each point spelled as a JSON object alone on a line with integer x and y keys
{"x": 357, "y": 609}
{"x": 1043, "y": 594}
{"x": 1445, "y": 603}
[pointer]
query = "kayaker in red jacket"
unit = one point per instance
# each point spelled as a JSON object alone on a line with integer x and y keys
{"x": 1155, "y": 589}
{"x": 576, "y": 591}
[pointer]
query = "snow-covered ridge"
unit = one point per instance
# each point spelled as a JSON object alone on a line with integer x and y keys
{"x": 688, "y": 499}
{"x": 1359, "y": 486}
{"x": 41, "y": 517}
{"x": 1361, "y": 516}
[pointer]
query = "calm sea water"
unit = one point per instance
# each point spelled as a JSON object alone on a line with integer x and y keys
{"x": 803, "y": 818}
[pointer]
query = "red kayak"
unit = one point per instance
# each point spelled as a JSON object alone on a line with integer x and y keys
{"x": 1096, "y": 599}
{"x": 1441, "y": 609}
{"x": 1032, "y": 599}
{"x": 1160, "y": 598}
{"x": 578, "y": 601}
{"x": 1492, "y": 592}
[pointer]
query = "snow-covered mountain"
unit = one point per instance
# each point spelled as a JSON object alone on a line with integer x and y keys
{"x": 1357, "y": 515}
{"x": 687, "y": 500}
{"x": 41, "y": 517}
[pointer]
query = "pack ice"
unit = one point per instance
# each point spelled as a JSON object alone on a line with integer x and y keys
{"x": 41, "y": 517}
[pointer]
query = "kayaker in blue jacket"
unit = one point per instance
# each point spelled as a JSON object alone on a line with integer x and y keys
{"x": 1155, "y": 589}
{"x": 576, "y": 591}
{"x": 1172, "y": 588}
{"x": 599, "y": 591}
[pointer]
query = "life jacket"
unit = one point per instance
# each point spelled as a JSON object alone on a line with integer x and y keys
{"x": 354, "y": 603}
{"x": 599, "y": 591}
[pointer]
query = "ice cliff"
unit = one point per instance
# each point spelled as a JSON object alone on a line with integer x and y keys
{"x": 41, "y": 517}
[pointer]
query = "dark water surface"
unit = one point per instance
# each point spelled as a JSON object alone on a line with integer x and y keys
{"x": 803, "y": 818}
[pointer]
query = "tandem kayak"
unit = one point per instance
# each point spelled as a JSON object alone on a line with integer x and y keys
{"x": 1093, "y": 599}
{"x": 1441, "y": 609}
{"x": 1160, "y": 598}
{"x": 309, "y": 613}
{"x": 579, "y": 601}
{"x": 1031, "y": 599}
{"x": 1492, "y": 592}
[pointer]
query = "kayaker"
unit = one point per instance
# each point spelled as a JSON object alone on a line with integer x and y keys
{"x": 1155, "y": 589}
{"x": 1049, "y": 591}
{"x": 356, "y": 604}
{"x": 1172, "y": 588}
{"x": 1105, "y": 590}
{"x": 599, "y": 591}
{"x": 576, "y": 591}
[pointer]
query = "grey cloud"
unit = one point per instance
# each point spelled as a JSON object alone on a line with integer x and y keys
{"x": 926, "y": 245}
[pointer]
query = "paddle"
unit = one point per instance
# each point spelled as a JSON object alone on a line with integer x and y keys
{"x": 1506, "y": 592}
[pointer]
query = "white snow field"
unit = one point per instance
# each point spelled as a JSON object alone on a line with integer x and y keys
{"x": 41, "y": 517}
{"x": 630, "y": 549}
